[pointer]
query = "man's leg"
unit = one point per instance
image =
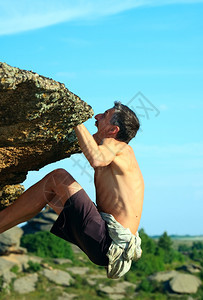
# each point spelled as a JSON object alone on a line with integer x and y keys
{"x": 54, "y": 189}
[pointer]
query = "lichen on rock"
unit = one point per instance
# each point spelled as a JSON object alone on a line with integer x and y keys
{"x": 37, "y": 117}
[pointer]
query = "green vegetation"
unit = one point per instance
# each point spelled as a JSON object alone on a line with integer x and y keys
{"x": 156, "y": 256}
{"x": 195, "y": 252}
{"x": 33, "y": 266}
{"x": 15, "y": 269}
{"x": 159, "y": 254}
{"x": 45, "y": 244}
{"x": 1, "y": 283}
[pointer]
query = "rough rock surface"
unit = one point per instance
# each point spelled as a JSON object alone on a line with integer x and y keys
{"x": 66, "y": 296}
{"x": 37, "y": 117}
{"x": 41, "y": 222}
{"x": 10, "y": 241}
{"x": 58, "y": 277}
{"x": 78, "y": 270}
{"x": 61, "y": 261}
{"x": 20, "y": 260}
{"x": 7, "y": 278}
{"x": 5, "y": 265}
{"x": 9, "y": 193}
{"x": 163, "y": 276}
{"x": 185, "y": 284}
{"x": 25, "y": 284}
{"x": 191, "y": 268}
{"x": 115, "y": 292}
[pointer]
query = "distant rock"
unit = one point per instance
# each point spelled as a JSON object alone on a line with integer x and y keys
{"x": 117, "y": 291}
{"x": 163, "y": 276}
{"x": 21, "y": 260}
{"x": 58, "y": 276}
{"x": 10, "y": 241}
{"x": 7, "y": 278}
{"x": 41, "y": 222}
{"x": 184, "y": 284}
{"x": 5, "y": 265}
{"x": 78, "y": 270}
{"x": 25, "y": 284}
{"x": 191, "y": 268}
{"x": 66, "y": 296}
{"x": 92, "y": 278}
{"x": 61, "y": 261}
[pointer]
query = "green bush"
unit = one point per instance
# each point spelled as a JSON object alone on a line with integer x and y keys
{"x": 154, "y": 256}
{"x": 148, "y": 264}
{"x": 146, "y": 286}
{"x": 197, "y": 245}
{"x": 45, "y": 244}
{"x": 201, "y": 274}
{"x": 183, "y": 248}
{"x": 33, "y": 266}
{"x": 15, "y": 269}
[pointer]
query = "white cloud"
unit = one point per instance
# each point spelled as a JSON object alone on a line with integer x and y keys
{"x": 24, "y": 15}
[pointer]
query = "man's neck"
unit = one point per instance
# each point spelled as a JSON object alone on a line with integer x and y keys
{"x": 98, "y": 138}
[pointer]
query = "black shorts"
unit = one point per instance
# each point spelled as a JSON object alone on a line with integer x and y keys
{"x": 81, "y": 224}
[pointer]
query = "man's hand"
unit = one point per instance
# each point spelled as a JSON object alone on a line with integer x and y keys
{"x": 97, "y": 155}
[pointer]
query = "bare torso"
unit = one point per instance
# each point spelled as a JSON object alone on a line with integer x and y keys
{"x": 120, "y": 188}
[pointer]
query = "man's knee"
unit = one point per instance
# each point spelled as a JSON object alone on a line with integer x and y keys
{"x": 62, "y": 176}
{"x": 60, "y": 172}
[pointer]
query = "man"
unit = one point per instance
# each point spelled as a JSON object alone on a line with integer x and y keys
{"x": 107, "y": 233}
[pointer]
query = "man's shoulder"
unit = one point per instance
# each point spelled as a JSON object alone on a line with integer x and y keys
{"x": 118, "y": 146}
{"x": 114, "y": 143}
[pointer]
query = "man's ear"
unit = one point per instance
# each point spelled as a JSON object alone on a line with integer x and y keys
{"x": 114, "y": 130}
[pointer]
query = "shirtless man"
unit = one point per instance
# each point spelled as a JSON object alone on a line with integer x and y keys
{"x": 107, "y": 233}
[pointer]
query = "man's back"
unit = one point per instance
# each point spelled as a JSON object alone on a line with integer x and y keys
{"x": 120, "y": 187}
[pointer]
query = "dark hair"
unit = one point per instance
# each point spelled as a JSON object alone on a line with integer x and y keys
{"x": 126, "y": 120}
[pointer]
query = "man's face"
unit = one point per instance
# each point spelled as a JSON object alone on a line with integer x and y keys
{"x": 103, "y": 120}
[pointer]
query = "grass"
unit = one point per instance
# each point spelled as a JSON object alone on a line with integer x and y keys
{"x": 84, "y": 291}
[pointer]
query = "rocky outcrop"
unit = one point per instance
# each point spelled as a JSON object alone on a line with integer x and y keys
{"x": 185, "y": 284}
{"x": 9, "y": 193}
{"x": 68, "y": 296}
{"x": 190, "y": 268}
{"x": 25, "y": 284}
{"x": 70, "y": 281}
{"x": 177, "y": 282}
{"x": 163, "y": 276}
{"x": 78, "y": 270}
{"x": 41, "y": 222}
{"x": 58, "y": 277}
{"x": 37, "y": 117}
{"x": 10, "y": 241}
{"x": 117, "y": 291}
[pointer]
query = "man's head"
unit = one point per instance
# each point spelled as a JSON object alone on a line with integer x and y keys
{"x": 119, "y": 122}
{"x": 126, "y": 120}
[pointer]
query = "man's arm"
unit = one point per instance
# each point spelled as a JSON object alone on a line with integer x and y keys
{"x": 97, "y": 155}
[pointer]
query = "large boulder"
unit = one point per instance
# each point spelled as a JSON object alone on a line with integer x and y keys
{"x": 190, "y": 268}
{"x": 5, "y": 265}
{"x": 185, "y": 284}
{"x": 19, "y": 260}
{"x": 37, "y": 117}
{"x": 58, "y": 277}
{"x": 163, "y": 276}
{"x": 118, "y": 291}
{"x": 10, "y": 241}
{"x": 25, "y": 284}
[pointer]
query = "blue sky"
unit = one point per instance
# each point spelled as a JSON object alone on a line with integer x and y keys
{"x": 141, "y": 53}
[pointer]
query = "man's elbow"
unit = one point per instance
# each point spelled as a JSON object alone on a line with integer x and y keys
{"x": 99, "y": 163}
